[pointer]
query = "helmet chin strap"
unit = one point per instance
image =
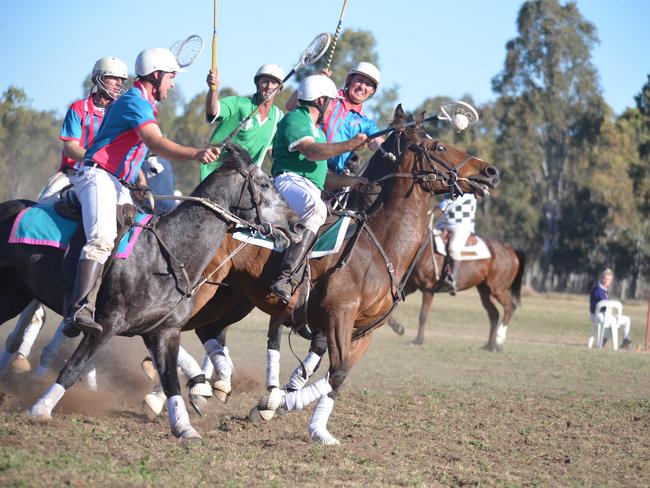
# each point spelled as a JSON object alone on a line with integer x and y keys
{"x": 155, "y": 81}
{"x": 321, "y": 108}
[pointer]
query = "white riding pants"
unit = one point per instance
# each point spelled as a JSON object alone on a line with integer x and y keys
{"x": 99, "y": 193}
{"x": 304, "y": 198}
{"x": 457, "y": 242}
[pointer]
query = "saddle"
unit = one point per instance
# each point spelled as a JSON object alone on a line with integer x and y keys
{"x": 475, "y": 247}
{"x": 69, "y": 206}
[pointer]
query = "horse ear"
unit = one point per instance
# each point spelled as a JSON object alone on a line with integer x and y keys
{"x": 399, "y": 116}
{"x": 419, "y": 118}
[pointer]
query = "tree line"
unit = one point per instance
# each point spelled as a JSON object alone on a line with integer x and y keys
{"x": 575, "y": 190}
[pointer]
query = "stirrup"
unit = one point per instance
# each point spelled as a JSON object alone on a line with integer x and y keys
{"x": 86, "y": 326}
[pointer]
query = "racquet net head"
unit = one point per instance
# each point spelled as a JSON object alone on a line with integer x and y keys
{"x": 186, "y": 51}
{"x": 452, "y": 109}
{"x": 316, "y": 49}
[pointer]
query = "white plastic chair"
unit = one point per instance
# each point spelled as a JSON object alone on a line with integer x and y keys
{"x": 609, "y": 315}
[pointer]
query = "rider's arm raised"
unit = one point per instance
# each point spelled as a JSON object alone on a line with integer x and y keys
{"x": 157, "y": 144}
{"x": 212, "y": 98}
{"x": 315, "y": 151}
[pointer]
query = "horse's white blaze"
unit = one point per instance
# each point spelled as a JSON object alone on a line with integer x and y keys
{"x": 297, "y": 380}
{"x": 318, "y": 425}
{"x": 46, "y": 403}
{"x": 501, "y": 334}
{"x": 272, "y": 368}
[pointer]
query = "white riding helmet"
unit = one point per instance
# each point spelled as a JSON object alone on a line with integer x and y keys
{"x": 110, "y": 66}
{"x": 156, "y": 59}
{"x": 367, "y": 69}
{"x": 316, "y": 86}
{"x": 272, "y": 71}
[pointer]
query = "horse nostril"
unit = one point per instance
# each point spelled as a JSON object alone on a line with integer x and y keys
{"x": 491, "y": 171}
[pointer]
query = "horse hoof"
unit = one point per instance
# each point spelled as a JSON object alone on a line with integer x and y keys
{"x": 258, "y": 417}
{"x": 222, "y": 389}
{"x": 153, "y": 404}
{"x": 40, "y": 418}
{"x": 418, "y": 341}
{"x": 199, "y": 403}
{"x": 190, "y": 435}
{"x": 20, "y": 364}
{"x": 271, "y": 400}
{"x": 324, "y": 438}
{"x": 150, "y": 370}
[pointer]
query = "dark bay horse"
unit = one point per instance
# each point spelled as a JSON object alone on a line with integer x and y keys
{"x": 346, "y": 305}
{"x": 151, "y": 293}
{"x": 496, "y": 278}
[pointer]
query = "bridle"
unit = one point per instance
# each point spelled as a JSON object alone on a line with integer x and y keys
{"x": 264, "y": 228}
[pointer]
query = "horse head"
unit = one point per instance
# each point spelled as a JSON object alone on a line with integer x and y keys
{"x": 437, "y": 167}
{"x": 253, "y": 197}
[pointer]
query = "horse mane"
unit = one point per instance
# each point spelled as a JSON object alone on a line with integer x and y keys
{"x": 234, "y": 158}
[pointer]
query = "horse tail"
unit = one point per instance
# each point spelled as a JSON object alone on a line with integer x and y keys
{"x": 515, "y": 289}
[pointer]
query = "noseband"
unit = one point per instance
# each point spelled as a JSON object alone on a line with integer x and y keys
{"x": 264, "y": 228}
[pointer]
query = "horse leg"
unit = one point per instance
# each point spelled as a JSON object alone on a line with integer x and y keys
{"x": 200, "y": 389}
{"x": 425, "y": 308}
{"x": 310, "y": 364}
{"x": 503, "y": 297}
{"x": 273, "y": 340}
{"x": 318, "y": 424}
{"x": 396, "y": 326}
{"x": 49, "y": 352}
{"x": 89, "y": 345}
{"x": 163, "y": 345}
{"x": 21, "y": 340}
{"x": 493, "y": 315}
{"x": 218, "y": 352}
{"x": 12, "y": 302}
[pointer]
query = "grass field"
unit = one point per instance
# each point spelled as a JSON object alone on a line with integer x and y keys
{"x": 545, "y": 412}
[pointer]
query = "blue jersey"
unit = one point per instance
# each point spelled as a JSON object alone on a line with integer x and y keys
{"x": 117, "y": 147}
{"x": 597, "y": 294}
{"x": 345, "y": 121}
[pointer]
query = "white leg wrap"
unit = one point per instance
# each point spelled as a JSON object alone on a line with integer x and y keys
{"x": 207, "y": 367}
{"x": 31, "y": 332}
{"x": 297, "y": 400}
{"x": 50, "y": 351}
{"x": 297, "y": 380}
{"x": 179, "y": 419}
{"x": 154, "y": 402}
{"x": 272, "y": 368}
{"x": 318, "y": 425}
{"x": 220, "y": 358}
{"x": 501, "y": 334}
{"x": 188, "y": 364}
{"x": 46, "y": 403}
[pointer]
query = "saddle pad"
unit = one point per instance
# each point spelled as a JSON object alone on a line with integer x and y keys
{"x": 468, "y": 253}
{"x": 41, "y": 225}
{"x": 329, "y": 242}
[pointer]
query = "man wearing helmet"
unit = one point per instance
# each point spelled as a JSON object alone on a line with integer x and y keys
{"x": 346, "y": 118}
{"x": 257, "y": 135}
{"x": 300, "y": 154}
{"x": 80, "y": 126}
{"x": 115, "y": 158}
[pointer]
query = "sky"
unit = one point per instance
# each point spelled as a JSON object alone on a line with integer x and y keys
{"x": 427, "y": 48}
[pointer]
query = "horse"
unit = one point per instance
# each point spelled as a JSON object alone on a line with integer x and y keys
{"x": 348, "y": 301}
{"x": 498, "y": 277}
{"x": 151, "y": 293}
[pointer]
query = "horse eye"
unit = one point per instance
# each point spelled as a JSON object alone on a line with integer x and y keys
{"x": 441, "y": 148}
{"x": 265, "y": 185}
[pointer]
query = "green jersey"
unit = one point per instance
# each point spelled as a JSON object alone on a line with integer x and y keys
{"x": 295, "y": 127}
{"x": 256, "y": 136}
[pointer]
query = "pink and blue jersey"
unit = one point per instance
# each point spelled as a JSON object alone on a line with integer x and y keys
{"x": 81, "y": 124}
{"x": 117, "y": 147}
{"x": 345, "y": 121}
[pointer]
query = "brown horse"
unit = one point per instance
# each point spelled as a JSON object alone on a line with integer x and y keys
{"x": 346, "y": 305}
{"x": 498, "y": 277}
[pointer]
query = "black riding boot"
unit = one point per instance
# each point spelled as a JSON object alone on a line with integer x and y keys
{"x": 454, "y": 267}
{"x": 291, "y": 261}
{"x": 84, "y": 295}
